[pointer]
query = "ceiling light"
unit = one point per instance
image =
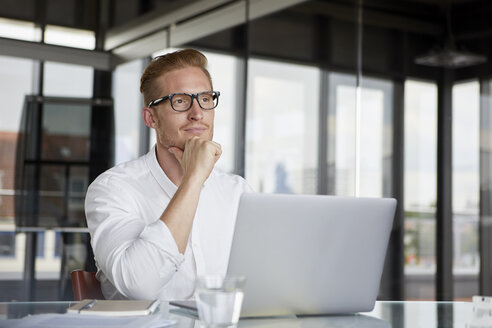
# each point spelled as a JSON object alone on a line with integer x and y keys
{"x": 450, "y": 58}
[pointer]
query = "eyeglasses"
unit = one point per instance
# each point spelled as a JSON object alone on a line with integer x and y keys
{"x": 181, "y": 102}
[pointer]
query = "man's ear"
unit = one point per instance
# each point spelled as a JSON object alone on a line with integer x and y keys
{"x": 148, "y": 117}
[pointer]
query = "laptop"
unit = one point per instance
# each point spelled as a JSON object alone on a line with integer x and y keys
{"x": 309, "y": 254}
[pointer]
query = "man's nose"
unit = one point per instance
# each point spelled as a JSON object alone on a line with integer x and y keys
{"x": 195, "y": 112}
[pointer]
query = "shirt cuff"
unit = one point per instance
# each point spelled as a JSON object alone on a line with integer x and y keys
{"x": 158, "y": 234}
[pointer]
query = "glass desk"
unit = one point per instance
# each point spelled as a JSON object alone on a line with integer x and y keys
{"x": 384, "y": 315}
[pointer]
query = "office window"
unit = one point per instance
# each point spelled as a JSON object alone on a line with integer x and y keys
{"x": 371, "y": 160}
{"x": 66, "y": 80}
{"x": 420, "y": 188}
{"x": 223, "y": 69}
{"x": 282, "y": 127}
{"x": 128, "y": 106}
{"x": 466, "y": 186}
{"x": 65, "y": 131}
{"x": 66, "y": 126}
{"x": 16, "y": 80}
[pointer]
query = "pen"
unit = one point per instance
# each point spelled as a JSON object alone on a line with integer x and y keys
{"x": 153, "y": 306}
{"x": 88, "y": 306}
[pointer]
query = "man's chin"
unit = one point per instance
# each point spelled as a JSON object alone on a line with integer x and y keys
{"x": 181, "y": 143}
{"x": 200, "y": 134}
{"x": 205, "y": 136}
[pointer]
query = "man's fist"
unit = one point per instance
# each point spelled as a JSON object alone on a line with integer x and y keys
{"x": 198, "y": 157}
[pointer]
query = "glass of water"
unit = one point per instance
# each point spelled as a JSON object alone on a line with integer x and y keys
{"x": 219, "y": 300}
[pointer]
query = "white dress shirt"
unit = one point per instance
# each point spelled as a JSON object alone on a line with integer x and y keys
{"x": 136, "y": 255}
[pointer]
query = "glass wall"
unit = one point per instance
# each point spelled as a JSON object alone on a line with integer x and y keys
{"x": 224, "y": 72}
{"x": 65, "y": 131}
{"x": 19, "y": 79}
{"x": 282, "y": 127}
{"x": 128, "y": 110}
{"x": 466, "y": 187}
{"x": 420, "y": 188}
{"x": 66, "y": 80}
{"x": 359, "y": 151}
{"x": 16, "y": 76}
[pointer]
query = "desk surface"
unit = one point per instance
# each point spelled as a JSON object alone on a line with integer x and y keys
{"x": 384, "y": 315}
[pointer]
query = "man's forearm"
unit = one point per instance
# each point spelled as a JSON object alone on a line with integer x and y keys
{"x": 179, "y": 214}
{"x": 197, "y": 161}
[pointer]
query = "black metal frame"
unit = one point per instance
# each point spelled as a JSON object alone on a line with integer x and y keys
{"x": 444, "y": 213}
{"x": 392, "y": 282}
{"x": 485, "y": 222}
{"x": 28, "y": 195}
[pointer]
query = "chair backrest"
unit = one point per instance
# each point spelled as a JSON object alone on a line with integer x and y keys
{"x": 85, "y": 285}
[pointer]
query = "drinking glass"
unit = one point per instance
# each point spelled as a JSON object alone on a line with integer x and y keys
{"x": 219, "y": 300}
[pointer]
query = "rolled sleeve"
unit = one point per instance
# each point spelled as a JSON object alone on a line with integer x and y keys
{"x": 159, "y": 235}
{"x": 139, "y": 259}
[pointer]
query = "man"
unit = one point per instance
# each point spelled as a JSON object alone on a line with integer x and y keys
{"x": 159, "y": 221}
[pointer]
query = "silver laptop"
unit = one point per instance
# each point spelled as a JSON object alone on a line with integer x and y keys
{"x": 310, "y": 254}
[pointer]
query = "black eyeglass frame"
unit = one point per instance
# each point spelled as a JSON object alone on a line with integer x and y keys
{"x": 192, "y": 95}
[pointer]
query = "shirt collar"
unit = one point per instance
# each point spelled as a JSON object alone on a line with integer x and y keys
{"x": 158, "y": 173}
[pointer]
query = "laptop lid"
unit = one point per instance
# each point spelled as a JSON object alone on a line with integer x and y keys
{"x": 310, "y": 254}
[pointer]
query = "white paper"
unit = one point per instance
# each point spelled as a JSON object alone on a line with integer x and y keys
{"x": 86, "y": 321}
{"x": 482, "y": 312}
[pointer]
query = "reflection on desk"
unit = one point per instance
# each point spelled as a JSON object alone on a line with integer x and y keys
{"x": 345, "y": 321}
{"x": 333, "y": 321}
{"x": 384, "y": 315}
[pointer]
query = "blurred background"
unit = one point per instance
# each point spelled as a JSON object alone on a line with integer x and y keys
{"x": 377, "y": 98}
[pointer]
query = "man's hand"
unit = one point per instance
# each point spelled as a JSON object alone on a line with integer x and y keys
{"x": 198, "y": 158}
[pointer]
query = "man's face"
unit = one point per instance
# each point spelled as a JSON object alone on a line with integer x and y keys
{"x": 175, "y": 128}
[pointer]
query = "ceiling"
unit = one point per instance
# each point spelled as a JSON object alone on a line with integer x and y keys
{"x": 135, "y": 28}
{"x": 86, "y": 13}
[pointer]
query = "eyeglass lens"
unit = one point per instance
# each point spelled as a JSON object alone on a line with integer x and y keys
{"x": 182, "y": 102}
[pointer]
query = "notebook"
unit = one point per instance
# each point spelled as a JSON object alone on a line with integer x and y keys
{"x": 114, "y": 307}
{"x": 310, "y": 254}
